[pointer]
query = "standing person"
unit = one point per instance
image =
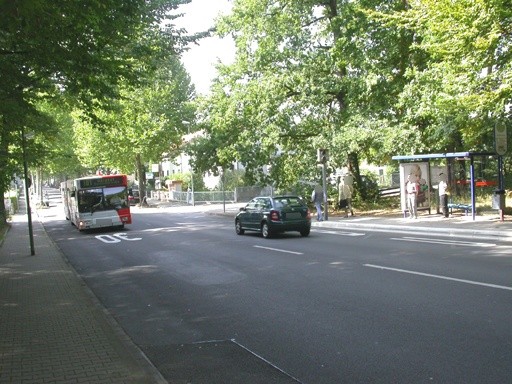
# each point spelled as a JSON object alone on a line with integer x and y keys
{"x": 317, "y": 197}
{"x": 345, "y": 190}
{"x": 443, "y": 194}
{"x": 412, "y": 187}
{"x": 421, "y": 194}
{"x": 189, "y": 196}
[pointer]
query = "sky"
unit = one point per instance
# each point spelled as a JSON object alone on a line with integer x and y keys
{"x": 201, "y": 59}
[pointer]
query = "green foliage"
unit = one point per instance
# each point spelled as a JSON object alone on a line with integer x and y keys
{"x": 146, "y": 122}
{"x": 455, "y": 98}
{"x": 368, "y": 190}
{"x": 231, "y": 180}
{"x": 304, "y": 78}
{"x": 75, "y": 52}
{"x": 365, "y": 79}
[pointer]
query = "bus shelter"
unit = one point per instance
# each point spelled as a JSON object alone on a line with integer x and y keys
{"x": 428, "y": 175}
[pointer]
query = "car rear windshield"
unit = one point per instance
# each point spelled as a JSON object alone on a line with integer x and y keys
{"x": 283, "y": 202}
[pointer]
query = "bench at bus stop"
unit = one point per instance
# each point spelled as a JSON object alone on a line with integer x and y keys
{"x": 460, "y": 206}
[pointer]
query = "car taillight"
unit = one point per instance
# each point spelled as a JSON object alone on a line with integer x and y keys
{"x": 308, "y": 214}
{"x": 274, "y": 215}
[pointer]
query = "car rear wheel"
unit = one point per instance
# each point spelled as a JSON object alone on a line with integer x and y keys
{"x": 238, "y": 228}
{"x": 265, "y": 231}
{"x": 305, "y": 232}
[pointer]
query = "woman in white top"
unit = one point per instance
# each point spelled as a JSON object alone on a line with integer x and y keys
{"x": 443, "y": 195}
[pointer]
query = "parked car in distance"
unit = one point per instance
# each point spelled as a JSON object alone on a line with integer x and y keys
{"x": 274, "y": 214}
{"x": 133, "y": 196}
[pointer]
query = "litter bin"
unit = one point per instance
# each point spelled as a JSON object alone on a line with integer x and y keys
{"x": 498, "y": 199}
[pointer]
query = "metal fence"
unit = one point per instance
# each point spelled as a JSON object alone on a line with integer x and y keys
{"x": 195, "y": 197}
{"x": 239, "y": 195}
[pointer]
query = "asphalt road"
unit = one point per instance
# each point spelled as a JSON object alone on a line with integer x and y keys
{"x": 208, "y": 306}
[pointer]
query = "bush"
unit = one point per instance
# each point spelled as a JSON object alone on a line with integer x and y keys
{"x": 369, "y": 188}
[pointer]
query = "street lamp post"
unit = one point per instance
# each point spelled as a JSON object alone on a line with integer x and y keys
{"x": 27, "y": 196}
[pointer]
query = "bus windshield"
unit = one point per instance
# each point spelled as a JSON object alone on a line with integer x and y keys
{"x": 102, "y": 199}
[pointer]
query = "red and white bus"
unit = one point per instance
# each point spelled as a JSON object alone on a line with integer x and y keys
{"x": 97, "y": 201}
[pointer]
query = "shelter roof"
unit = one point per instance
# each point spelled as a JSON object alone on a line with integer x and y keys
{"x": 429, "y": 156}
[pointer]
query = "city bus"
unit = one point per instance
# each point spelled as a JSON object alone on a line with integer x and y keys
{"x": 97, "y": 201}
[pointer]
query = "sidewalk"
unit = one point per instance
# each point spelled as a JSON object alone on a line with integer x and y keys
{"x": 483, "y": 227}
{"x": 52, "y": 328}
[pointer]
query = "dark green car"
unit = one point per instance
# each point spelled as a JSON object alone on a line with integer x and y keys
{"x": 276, "y": 214}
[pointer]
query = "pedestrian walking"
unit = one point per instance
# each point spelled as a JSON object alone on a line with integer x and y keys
{"x": 345, "y": 190}
{"x": 317, "y": 197}
{"x": 412, "y": 187}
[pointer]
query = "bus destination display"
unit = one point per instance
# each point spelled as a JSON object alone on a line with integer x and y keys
{"x": 102, "y": 182}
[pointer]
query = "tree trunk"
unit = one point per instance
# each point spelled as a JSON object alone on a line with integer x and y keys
{"x": 353, "y": 167}
{"x": 39, "y": 186}
{"x": 141, "y": 179}
{"x": 4, "y": 169}
{"x": 3, "y": 212}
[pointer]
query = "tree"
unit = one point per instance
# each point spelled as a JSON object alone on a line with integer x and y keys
{"x": 145, "y": 124}
{"x": 305, "y": 77}
{"x": 366, "y": 79}
{"x": 463, "y": 88}
{"x": 75, "y": 50}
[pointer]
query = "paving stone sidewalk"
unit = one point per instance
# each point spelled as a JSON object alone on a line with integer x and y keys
{"x": 52, "y": 328}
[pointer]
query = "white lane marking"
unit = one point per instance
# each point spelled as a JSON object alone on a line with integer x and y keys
{"x": 116, "y": 238}
{"x": 440, "y": 277}
{"x": 108, "y": 239}
{"x": 185, "y": 227}
{"x": 278, "y": 250}
{"x": 123, "y": 236}
{"x": 444, "y": 242}
{"x": 340, "y": 233}
{"x": 162, "y": 229}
